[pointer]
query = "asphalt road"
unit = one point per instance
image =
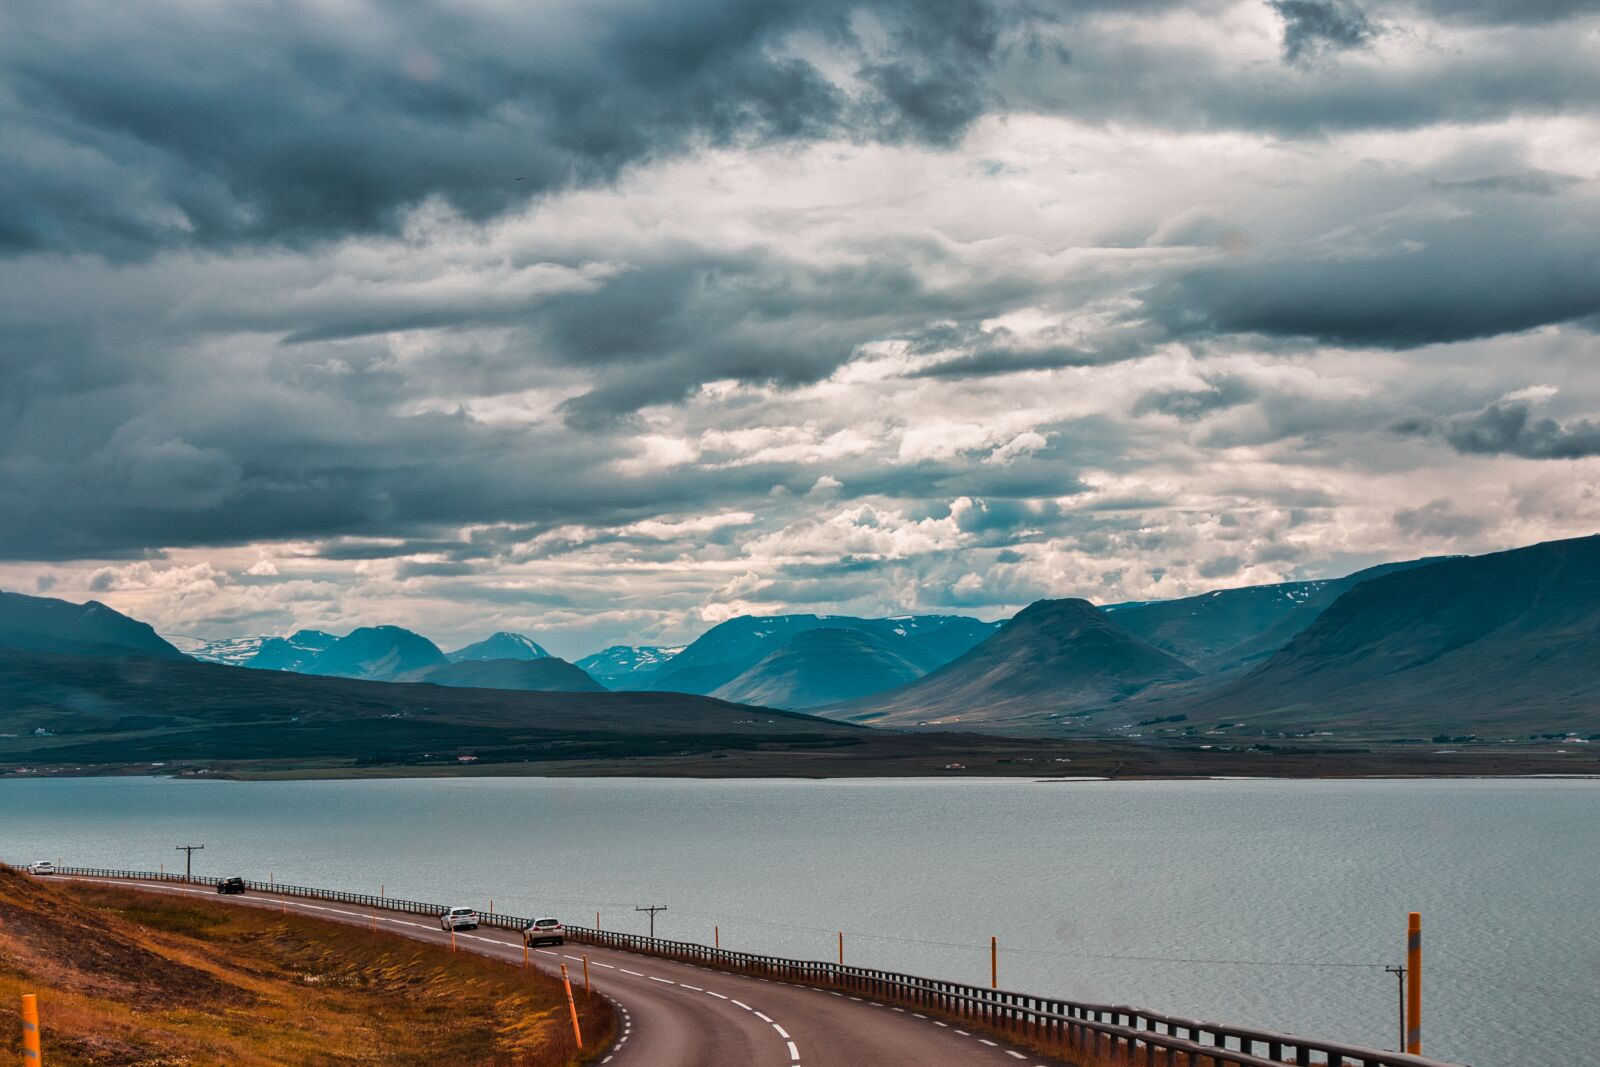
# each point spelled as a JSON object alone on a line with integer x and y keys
{"x": 681, "y": 1015}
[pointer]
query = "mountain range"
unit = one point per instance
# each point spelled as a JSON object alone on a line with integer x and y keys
{"x": 734, "y": 656}
{"x": 1501, "y": 645}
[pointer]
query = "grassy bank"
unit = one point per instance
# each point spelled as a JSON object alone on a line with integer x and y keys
{"x": 135, "y": 978}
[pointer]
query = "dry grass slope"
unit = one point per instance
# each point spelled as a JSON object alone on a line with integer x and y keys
{"x": 128, "y": 978}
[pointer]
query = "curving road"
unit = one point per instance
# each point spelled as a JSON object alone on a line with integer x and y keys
{"x": 680, "y": 1015}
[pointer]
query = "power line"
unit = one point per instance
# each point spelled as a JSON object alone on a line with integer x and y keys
{"x": 652, "y": 909}
{"x": 975, "y": 946}
{"x": 188, "y": 859}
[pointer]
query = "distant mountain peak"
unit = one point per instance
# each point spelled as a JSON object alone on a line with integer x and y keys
{"x": 502, "y": 644}
{"x": 1053, "y": 656}
{"x": 376, "y": 652}
{"x": 822, "y": 666}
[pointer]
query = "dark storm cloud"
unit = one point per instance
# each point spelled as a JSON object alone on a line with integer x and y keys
{"x": 654, "y": 334}
{"x": 1499, "y": 12}
{"x": 1536, "y": 68}
{"x": 1501, "y": 268}
{"x": 1311, "y": 27}
{"x": 131, "y": 128}
{"x": 1510, "y": 427}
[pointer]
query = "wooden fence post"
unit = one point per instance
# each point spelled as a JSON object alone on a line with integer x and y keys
{"x": 1414, "y": 983}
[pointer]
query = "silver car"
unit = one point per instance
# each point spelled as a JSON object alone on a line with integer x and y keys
{"x": 544, "y": 932}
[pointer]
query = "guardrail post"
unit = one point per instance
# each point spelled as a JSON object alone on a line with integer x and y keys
{"x": 31, "y": 1054}
{"x": 1414, "y": 983}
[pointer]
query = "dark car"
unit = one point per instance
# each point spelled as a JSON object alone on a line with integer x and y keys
{"x": 231, "y": 885}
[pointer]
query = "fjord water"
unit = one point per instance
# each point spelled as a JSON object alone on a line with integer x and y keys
{"x": 1261, "y": 902}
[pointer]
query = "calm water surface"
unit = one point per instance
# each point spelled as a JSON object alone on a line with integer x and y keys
{"x": 1265, "y": 902}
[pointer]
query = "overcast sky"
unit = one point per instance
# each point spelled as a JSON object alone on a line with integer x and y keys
{"x": 605, "y": 321}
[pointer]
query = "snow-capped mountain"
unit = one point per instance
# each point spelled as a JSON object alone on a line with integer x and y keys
{"x": 620, "y": 661}
{"x": 234, "y": 651}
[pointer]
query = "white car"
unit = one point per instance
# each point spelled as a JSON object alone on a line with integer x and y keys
{"x": 459, "y": 919}
{"x": 544, "y": 932}
{"x": 42, "y": 867}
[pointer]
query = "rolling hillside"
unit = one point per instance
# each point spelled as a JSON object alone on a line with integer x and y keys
{"x": 1502, "y": 645}
{"x": 1053, "y": 658}
{"x": 1198, "y": 628}
{"x": 546, "y": 674}
{"x": 144, "y": 710}
{"x": 129, "y": 978}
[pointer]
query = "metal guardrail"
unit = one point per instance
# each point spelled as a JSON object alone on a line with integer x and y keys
{"x": 1116, "y": 1031}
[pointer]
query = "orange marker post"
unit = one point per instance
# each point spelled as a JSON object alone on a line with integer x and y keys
{"x": 31, "y": 1056}
{"x": 1414, "y": 984}
{"x": 572, "y": 1006}
{"x": 452, "y": 938}
{"x": 597, "y": 922}
{"x": 841, "y": 948}
{"x": 716, "y": 938}
{"x": 586, "y": 972}
{"x": 491, "y": 905}
{"x": 994, "y": 963}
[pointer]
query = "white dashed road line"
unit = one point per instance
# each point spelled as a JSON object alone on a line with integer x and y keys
{"x": 627, "y": 1027}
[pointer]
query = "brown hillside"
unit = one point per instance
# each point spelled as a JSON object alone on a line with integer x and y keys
{"x": 131, "y": 978}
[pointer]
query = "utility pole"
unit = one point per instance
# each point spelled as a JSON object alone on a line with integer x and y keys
{"x": 652, "y": 909}
{"x": 188, "y": 859}
{"x": 1400, "y": 977}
